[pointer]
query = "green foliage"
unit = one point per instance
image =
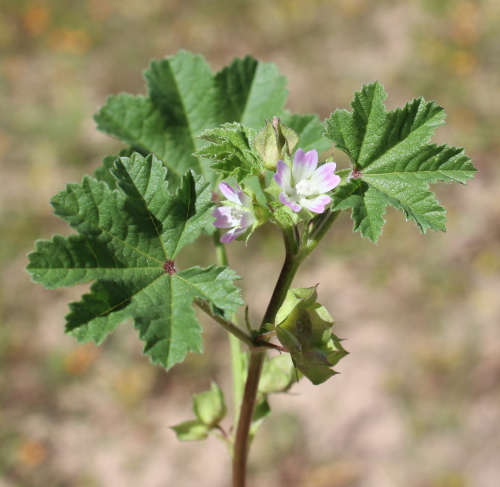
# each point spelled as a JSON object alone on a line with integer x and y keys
{"x": 304, "y": 327}
{"x": 184, "y": 99}
{"x": 260, "y": 413}
{"x": 274, "y": 142}
{"x": 234, "y": 150}
{"x": 278, "y": 375}
{"x": 192, "y": 430}
{"x": 393, "y": 162}
{"x": 127, "y": 240}
{"x": 209, "y": 408}
{"x": 309, "y": 129}
{"x": 139, "y": 210}
{"x": 229, "y": 151}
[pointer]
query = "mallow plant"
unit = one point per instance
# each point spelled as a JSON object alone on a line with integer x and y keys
{"x": 217, "y": 155}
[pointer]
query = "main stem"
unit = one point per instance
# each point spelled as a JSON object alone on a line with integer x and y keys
{"x": 257, "y": 356}
{"x": 237, "y": 356}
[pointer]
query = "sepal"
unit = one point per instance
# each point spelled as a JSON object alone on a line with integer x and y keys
{"x": 303, "y": 327}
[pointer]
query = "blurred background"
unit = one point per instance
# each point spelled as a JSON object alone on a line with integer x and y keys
{"x": 418, "y": 399}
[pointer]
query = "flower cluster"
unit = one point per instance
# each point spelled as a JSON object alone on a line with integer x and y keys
{"x": 302, "y": 186}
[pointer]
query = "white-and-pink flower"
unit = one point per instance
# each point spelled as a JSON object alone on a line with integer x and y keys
{"x": 305, "y": 184}
{"x": 236, "y": 213}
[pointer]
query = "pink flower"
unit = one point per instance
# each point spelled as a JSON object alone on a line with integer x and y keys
{"x": 236, "y": 213}
{"x": 304, "y": 185}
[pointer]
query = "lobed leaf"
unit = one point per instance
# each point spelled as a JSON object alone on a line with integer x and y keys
{"x": 128, "y": 238}
{"x": 393, "y": 160}
{"x": 184, "y": 99}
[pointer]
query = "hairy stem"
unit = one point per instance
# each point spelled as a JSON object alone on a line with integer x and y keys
{"x": 257, "y": 356}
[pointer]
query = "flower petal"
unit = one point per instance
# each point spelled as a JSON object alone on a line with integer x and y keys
{"x": 222, "y": 216}
{"x": 245, "y": 200}
{"x": 324, "y": 178}
{"x": 316, "y": 205}
{"x": 288, "y": 202}
{"x": 232, "y": 234}
{"x": 247, "y": 219}
{"x": 229, "y": 192}
{"x": 282, "y": 176}
{"x": 304, "y": 164}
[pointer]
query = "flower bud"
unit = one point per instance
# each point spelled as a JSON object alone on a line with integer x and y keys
{"x": 274, "y": 142}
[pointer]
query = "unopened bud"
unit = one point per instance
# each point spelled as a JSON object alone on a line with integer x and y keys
{"x": 274, "y": 142}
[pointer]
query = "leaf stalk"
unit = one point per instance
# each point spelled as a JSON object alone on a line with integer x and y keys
{"x": 229, "y": 326}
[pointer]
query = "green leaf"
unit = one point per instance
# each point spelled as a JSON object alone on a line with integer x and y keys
{"x": 367, "y": 204}
{"x": 249, "y": 92}
{"x": 310, "y": 131}
{"x": 191, "y": 431}
{"x": 184, "y": 99}
{"x": 260, "y": 413}
{"x": 278, "y": 374}
{"x": 229, "y": 151}
{"x": 303, "y": 327}
{"x": 209, "y": 406}
{"x": 392, "y": 158}
{"x": 103, "y": 172}
{"x": 128, "y": 238}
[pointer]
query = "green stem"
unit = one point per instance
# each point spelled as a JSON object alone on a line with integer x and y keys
{"x": 257, "y": 356}
{"x": 238, "y": 369}
{"x": 237, "y": 356}
{"x": 230, "y": 327}
{"x": 320, "y": 230}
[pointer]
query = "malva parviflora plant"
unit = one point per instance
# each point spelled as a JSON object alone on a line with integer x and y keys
{"x": 219, "y": 155}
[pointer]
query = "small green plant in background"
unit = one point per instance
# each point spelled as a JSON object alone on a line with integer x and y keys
{"x": 219, "y": 155}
